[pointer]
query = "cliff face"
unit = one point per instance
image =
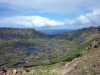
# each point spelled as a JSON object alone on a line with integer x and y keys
{"x": 11, "y": 33}
{"x": 77, "y": 33}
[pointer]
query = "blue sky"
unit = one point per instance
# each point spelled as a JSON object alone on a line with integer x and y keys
{"x": 49, "y": 14}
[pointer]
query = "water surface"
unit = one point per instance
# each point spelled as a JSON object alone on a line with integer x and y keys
{"x": 52, "y": 32}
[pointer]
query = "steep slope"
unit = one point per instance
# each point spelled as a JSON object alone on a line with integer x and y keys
{"x": 83, "y": 37}
{"x": 15, "y": 33}
{"x": 88, "y": 63}
{"x": 78, "y": 35}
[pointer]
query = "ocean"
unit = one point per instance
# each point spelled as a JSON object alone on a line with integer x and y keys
{"x": 52, "y": 32}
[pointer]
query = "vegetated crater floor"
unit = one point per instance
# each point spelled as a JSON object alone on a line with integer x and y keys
{"x": 24, "y": 52}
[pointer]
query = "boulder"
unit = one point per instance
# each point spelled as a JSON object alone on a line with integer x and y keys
{"x": 22, "y": 70}
{"x": 2, "y": 71}
{"x": 8, "y": 72}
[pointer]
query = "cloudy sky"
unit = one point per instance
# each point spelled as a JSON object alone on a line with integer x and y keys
{"x": 52, "y": 14}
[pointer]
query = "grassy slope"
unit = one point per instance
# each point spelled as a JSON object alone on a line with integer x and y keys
{"x": 88, "y": 64}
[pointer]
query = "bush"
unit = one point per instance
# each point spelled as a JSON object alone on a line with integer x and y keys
{"x": 71, "y": 58}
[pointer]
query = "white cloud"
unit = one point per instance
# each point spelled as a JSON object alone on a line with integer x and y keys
{"x": 30, "y": 21}
{"x": 85, "y": 20}
{"x": 41, "y": 21}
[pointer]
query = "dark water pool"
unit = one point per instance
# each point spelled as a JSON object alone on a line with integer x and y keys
{"x": 30, "y": 50}
{"x": 19, "y": 63}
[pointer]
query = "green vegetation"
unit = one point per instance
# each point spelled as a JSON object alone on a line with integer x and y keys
{"x": 34, "y": 52}
{"x": 89, "y": 63}
{"x": 71, "y": 58}
{"x": 43, "y": 73}
{"x": 31, "y": 48}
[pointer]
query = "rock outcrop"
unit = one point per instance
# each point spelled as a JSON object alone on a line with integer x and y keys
{"x": 18, "y": 71}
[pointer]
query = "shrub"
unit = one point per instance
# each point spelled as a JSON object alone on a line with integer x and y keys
{"x": 71, "y": 58}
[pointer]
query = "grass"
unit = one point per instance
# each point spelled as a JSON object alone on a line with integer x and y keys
{"x": 48, "y": 49}
{"x": 42, "y": 73}
{"x": 90, "y": 64}
{"x": 71, "y": 58}
{"x": 67, "y": 59}
{"x": 85, "y": 43}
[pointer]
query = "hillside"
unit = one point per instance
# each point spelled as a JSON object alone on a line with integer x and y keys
{"x": 82, "y": 37}
{"x": 31, "y": 48}
{"x": 87, "y": 64}
{"x": 15, "y": 33}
